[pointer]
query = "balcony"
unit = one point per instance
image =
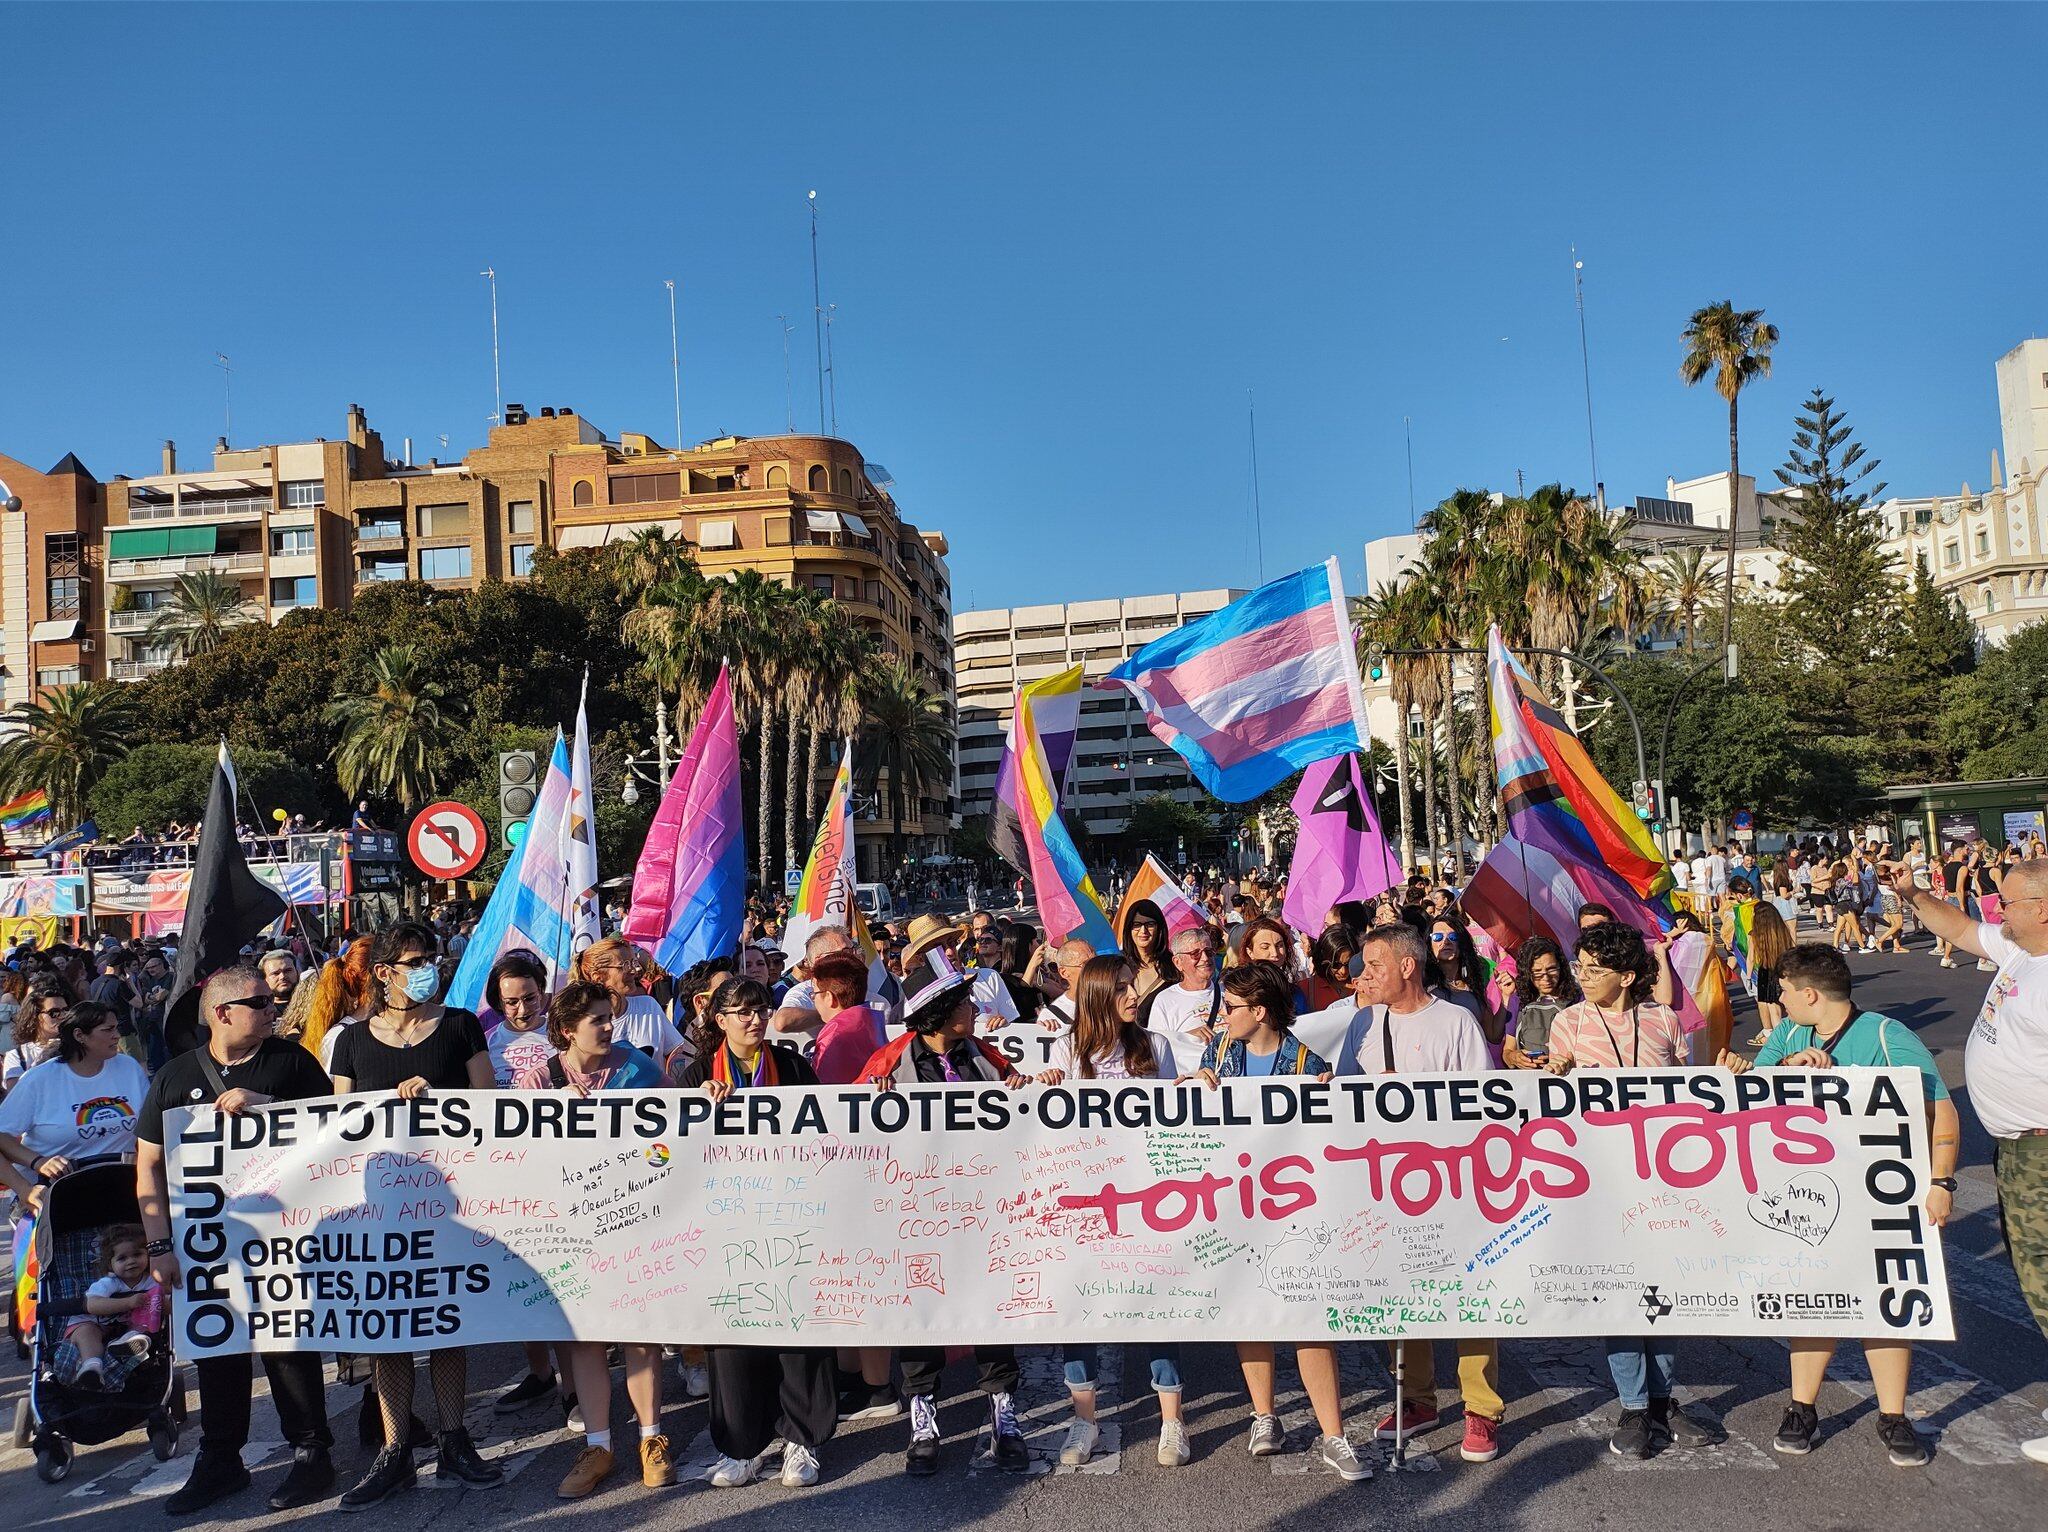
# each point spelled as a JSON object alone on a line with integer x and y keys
{"x": 135, "y": 670}
{"x": 180, "y": 564}
{"x": 380, "y": 532}
{"x": 134, "y": 621}
{"x": 240, "y": 507}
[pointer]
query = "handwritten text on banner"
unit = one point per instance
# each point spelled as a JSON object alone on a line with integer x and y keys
{"x": 1608, "y": 1202}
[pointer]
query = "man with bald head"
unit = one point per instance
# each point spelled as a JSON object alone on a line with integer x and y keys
{"x": 2005, "y": 1064}
{"x": 1057, "y": 1014}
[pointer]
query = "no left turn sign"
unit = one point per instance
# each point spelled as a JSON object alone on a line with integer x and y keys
{"x": 447, "y": 840}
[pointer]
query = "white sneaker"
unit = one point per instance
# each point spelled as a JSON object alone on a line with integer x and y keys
{"x": 1984, "y": 965}
{"x": 1173, "y": 1444}
{"x": 2037, "y": 1449}
{"x": 136, "y": 1341}
{"x": 696, "y": 1380}
{"x": 1338, "y": 1454}
{"x": 1870, "y": 946}
{"x": 799, "y": 1466}
{"x": 1948, "y": 962}
{"x": 731, "y": 1473}
{"x": 1079, "y": 1446}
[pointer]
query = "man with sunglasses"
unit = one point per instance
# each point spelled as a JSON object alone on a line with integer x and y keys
{"x": 2005, "y": 1064}
{"x": 241, "y": 1065}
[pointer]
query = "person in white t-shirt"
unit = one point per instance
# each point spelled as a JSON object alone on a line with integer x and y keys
{"x": 1186, "y": 1013}
{"x": 2005, "y": 1063}
{"x": 1699, "y": 882}
{"x": 1401, "y": 1028}
{"x": 77, "y": 1105}
{"x": 1057, "y": 1014}
{"x": 638, "y": 1020}
{"x": 1717, "y": 872}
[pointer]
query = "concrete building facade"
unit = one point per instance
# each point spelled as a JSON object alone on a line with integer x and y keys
{"x": 1117, "y": 761}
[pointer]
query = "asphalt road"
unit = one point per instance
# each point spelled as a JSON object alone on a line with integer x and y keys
{"x": 1975, "y": 1399}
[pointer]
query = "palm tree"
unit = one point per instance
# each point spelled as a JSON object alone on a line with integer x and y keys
{"x": 650, "y": 557}
{"x": 914, "y": 732}
{"x": 203, "y": 606}
{"x": 63, "y": 742}
{"x": 1735, "y": 345}
{"x": 808, "y": 621}
{"x": 1685, "y": 581}
{"x": 396, "y": 730}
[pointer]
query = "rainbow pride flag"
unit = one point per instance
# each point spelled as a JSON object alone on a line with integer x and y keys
{"x": 22, "y": 813}
{"x": 1554, "y": 795}
{"x": 27, "y": 1269}
{"x": 825, "y": 897}
{"x": 1067, "y": 903}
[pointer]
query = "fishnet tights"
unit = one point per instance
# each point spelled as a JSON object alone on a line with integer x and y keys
{"x": 447, "y": 1373}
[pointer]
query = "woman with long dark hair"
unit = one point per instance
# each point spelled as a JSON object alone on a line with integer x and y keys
{"x": 1543, "y": 986}
{"x": 1467, "y": 977}
{"x": 1145, "y": 943}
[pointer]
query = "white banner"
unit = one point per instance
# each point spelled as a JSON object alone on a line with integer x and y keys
{"x": 1609, "y": 1202}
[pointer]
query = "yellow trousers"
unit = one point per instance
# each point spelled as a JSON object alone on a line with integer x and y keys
{"x": 1478, "y": 1375}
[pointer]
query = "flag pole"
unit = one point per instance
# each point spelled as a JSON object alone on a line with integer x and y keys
{"x": 255, "y": 814}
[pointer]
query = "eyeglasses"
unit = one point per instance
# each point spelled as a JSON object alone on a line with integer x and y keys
{"x": 417, "y": 960}
{"x": 988, "y": 940}
{"x": 1583, "y": 970}
{"x": 743, "y": 1013}
{"x": 1440, "y": 937}
{"x": 252, "y": 1002}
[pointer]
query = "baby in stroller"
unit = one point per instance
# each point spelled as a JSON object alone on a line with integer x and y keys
{"x": 124, "y": 1313}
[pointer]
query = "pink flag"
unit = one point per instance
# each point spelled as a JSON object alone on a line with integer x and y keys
{"x": 690, "y": 886}
{"x": 1340, "y": 852}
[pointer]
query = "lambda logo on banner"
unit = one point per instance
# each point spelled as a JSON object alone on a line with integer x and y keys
{"x": 1708, "y": 1305}
{"x": 1655, "y": 1305}
{"x": 1813, "y": 1305}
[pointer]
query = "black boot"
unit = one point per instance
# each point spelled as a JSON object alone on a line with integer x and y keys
{"x": 215, "y": 1475}
{"x": 460, "y": 1460}
{"x": 390, "y": 1471}
{"x": 310, "y": 1479}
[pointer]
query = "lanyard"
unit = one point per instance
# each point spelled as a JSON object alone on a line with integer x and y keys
{"x": 1847, "y": 1027}
{"x": 1635, "y": 1060}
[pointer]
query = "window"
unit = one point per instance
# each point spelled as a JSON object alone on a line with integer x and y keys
{"x": 444, "y": 520}
{"x": 1983, "y": 542}
{"x": 579, "y": 493}
{"x": 59, "y": 675}
{"x": 152, "y": 600}
{"x": 519, "y": 518}
{"x": 60, "y": 551}
{"x": 874, "y": 593}
{"x": 846, "y": 482}
{"x": 303, "y": 492}
{"x": 300, "y": 590}
{"x": 389, "y": 566}
{"x": 1990, "y": 598}
{"x": 522, "y": 559}
{"x": 640, "y": 488}
{"x": 816, "y": 481}
{"x": 65, "y": 597}
{"x": 1951, "y": 555}
{"x": 778, "y": 476}
{"x": 291, "y": 542}
{"x": 444, "y": 563}
{"x": 822, "y": 585}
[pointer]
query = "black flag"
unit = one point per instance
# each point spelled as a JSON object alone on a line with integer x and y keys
{"x": 225, "y": 908}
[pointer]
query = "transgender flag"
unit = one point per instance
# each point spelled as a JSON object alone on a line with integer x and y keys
{"x": 690, "y": 886}
{"x": 1253, "y": 693}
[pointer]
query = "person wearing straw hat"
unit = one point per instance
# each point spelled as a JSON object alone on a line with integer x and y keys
{"x": 992, "y": 1002}
{"x": 940, "y": 1048}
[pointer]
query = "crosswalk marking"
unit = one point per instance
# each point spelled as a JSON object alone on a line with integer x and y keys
{"x": 1574, "y": 1376}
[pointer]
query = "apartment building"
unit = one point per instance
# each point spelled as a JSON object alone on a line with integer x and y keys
{"x": 1117, "y": 761}
{"x": 49, "y": 550}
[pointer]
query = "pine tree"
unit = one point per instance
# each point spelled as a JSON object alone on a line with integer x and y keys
{"x": 1902, "y": 706}
{"x": 1844, "y": 595}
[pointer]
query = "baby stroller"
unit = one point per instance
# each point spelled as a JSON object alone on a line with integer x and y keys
{"x": 56, "y": 1416}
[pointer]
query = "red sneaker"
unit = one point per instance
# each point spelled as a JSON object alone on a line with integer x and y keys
{"x": 1414, "y": 1418}
{"x": 1482, "y": 1439}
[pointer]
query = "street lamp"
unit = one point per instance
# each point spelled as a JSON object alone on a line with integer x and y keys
{"x": 636, "y": 764}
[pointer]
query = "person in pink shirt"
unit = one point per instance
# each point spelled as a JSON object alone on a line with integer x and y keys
{"x": 850, "y": 1031}
{"x": 1617, "y": 1026}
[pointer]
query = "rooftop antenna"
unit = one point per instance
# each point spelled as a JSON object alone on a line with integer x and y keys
{"x": 1258, "y": 515}
{"x": 675, "y": 359}
{"x": 1408, "y": 431}
{"x": 788, "y": 387}
{"x": 817, "y": 313}
{"x": 831, "y": 371}
{"x": 227, "y": 391}
{"x": 1585, "y": 364}
{"x": 490, "y": 274}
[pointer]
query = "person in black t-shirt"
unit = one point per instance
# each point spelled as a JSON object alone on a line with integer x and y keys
{"x": 240, "y": 1067}
{"x": 412, "y": 1044}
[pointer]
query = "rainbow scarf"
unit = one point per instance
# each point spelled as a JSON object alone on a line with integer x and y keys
{"x": 727, "y": 1070}
{"x": 28, "y": 1268}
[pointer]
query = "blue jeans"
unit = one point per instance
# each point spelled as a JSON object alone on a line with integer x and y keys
{"x": 1164, "y": 1359}
{"x": 1643, "y": 1369}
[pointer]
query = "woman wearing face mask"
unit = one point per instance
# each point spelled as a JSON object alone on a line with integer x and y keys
{"x": 1543, "y": 987}
{"x": 1254, "y": 1042}
{"x": 760, "y": 1393}
{"x": 1617, "y": 1026}
{"x": 412, "y": 1044}
{"x": 585, "y": 1059}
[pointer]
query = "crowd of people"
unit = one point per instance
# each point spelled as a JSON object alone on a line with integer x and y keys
{"x": 1223, "y": 989}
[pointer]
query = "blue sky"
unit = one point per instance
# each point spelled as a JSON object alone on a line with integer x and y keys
{"x": 1063, "y": 241}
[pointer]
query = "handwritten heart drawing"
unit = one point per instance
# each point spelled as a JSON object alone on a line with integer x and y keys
{"x": 694, "y": 1257}
{"x": 829, "y": 1147}
{"x": 1805, "y": 1207}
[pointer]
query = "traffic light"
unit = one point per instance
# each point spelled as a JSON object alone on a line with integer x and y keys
{"x": 1376, "y": 668}
{"x": 518, "y": 786}
{"x": 1645, "y": 805}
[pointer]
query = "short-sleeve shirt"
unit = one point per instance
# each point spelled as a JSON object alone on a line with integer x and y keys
{"x": 53, "y": 1109}
{"x": 513, "y": 1052}
{"x": 1437, "y": 1037}
{"x": 2006, "y": 1061}
{"x": 1113, "y": 1066}
{"x": 1870, "y": 1040}
{"x": 441, "y": 1059}
{"x": 1533, "y": 1023}
{"x": 846, "y": 1043}
{"x": 643, "y": 1024}
{"x": 624, "y": 1068}
{"x": 279, "y": 1069}
{"x": 1592, "y": 1040}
